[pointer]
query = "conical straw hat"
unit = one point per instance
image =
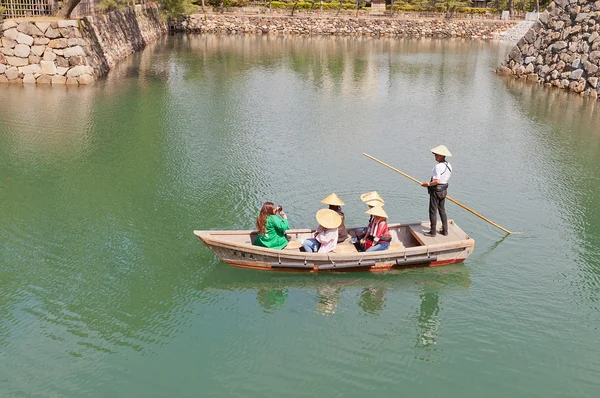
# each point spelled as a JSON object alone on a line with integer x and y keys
{"x": 377, "y": 211}
{"x": 370, "y": 196}
{"x": 328, "y": 218}
{"x": 343, "y": 248}
{"x": 333, "y": 200}
{"x": 441, "y": 150}
{"x": 293, "y": 245}
{"x": 374, "y": 202}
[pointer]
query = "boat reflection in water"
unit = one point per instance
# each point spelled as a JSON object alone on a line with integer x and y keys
{"x": 412, "y": 295}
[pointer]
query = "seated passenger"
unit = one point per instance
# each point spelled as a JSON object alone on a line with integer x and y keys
{"x": 372, "y": 199}
{"x": 326, "y": 237}
{"x": 335, "y": 204}
{"x": 378, "y": 236}
{"x": 271, "y": 226}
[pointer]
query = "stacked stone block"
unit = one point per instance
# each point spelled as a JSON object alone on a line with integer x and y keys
{"x": 75, "y": 52}
{"x": 344, "y": 26}
{"x": 562, "y": 49}
{"x": 45, "y": 53}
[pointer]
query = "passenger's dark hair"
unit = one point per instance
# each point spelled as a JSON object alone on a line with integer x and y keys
{"x": 267, "y": 209}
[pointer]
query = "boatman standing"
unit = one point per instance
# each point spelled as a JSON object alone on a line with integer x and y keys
{"x": 438, "y": 188}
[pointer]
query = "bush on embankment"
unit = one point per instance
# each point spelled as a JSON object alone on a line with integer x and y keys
{"x": 332, "y": 6}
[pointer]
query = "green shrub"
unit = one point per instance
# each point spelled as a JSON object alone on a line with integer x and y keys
{"x": 174, "y": 8}
{"x": 335, "y": 5}
{"x": 110, "y": 5}
{"x": 278, "y": 5}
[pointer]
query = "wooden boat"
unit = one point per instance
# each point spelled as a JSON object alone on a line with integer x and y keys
{"x": 410, "y": 247}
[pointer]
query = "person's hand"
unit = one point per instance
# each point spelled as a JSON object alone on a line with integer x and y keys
{"x": 425, "y": 184}
{"x": 282, "y": 214}
{"x": 362, "y": 241}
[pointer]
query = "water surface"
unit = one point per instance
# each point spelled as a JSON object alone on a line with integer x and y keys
{"x": 104, "y": 291}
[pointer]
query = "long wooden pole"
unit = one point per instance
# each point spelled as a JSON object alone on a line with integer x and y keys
{"x": 447, "y": 197}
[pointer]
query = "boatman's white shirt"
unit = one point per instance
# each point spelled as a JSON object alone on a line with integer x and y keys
{"x": 441, "y": 173}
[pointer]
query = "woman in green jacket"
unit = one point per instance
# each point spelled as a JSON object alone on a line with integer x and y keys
{"x": 271, "y": 226}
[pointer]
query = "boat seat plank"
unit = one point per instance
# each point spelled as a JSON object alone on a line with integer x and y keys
{"x": 418, "y": 232}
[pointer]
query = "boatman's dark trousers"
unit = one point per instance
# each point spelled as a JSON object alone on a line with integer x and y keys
{"x": 437, "y": 202}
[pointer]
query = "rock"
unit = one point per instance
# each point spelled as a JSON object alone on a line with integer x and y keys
{"x": 58, "y": 79}
{"x": 532, "y": 77}
{"x": 8, "y": 43}
{"x": 60, "y": 61}
{"x": 75, "y": 61}
{"x": 31, "y": 69}
{"x": 76, "y": 42}
{"x": 34, "y": 59}
{"x": 12, "y": 73}
{"x": 48, "y": 67}
{"x": 24, "y": 39}
{"x": 41, "y": 41}
{"x": 530, "y": 36}
{"x": 593, "y": 81}
{"x": 28, "y": 79}
{"x": 21, "y": 50}
{"x": 593, "y": 37}
{"x": 503, "y": 70}
{"x": 8, "y": 25}
{"x": 72, "y": 81}
{"x": 44, "y": 79}
{"x": 38, "y": 50}
{"x": 58, "y": 43}
{"x": 589, "y": 68}
{"x": 74, "y": 52}
{"x": 16, "y": 61}
{"x": 29, "y": 29}
{"x": 515, "y": 55}
{"x": 529, "y": 69}
{"x": 3, "y": 79}
{"x": 2, "y": 68}
{"x": 18, "y": 80}
{"x": 577, "y": 87}
{"x": 576, "y": 63}
{"x": 11, "y": 34}
{"x": 559, "y": 46}
{"x": 76, "y": 71}
{"x": 52, "y": 33}
{"x": 581, "y": 17}
{"x": 68, "y": 23}
{"x": 86, "y": 79}
{"x": 61, "y": 70}
{"x": 561, "y": 3}
{"x": 49, "y": 56}
{"x": 594, "y": 56}
{"x": 576, "y": 74}
{"x": 529, "y": 60}
{"x": 42, "y": 26}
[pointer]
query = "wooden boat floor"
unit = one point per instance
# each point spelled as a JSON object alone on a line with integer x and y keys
{"x": 418, "y": 232}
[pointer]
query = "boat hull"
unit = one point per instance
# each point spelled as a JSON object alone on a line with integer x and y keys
{"x": 409, "y": 248}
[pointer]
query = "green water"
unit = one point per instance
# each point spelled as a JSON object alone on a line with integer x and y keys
{"x": 104, "y": 291}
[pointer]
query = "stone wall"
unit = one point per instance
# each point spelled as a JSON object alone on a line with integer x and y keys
{"x": 73, "y": 51}
{"x": 331, "y": 25}
{"x": 562, "y": 49}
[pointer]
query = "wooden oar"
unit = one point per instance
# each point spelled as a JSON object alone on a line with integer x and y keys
{"x": 447, "y": 197}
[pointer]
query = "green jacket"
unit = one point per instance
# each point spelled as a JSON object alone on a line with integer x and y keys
{"x": 274, "y": 238}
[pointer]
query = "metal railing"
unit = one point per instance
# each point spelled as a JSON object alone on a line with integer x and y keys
{"x": 26, "y": 8}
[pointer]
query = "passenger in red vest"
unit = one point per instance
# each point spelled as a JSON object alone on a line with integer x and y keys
{"x": 378, "y": 236}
